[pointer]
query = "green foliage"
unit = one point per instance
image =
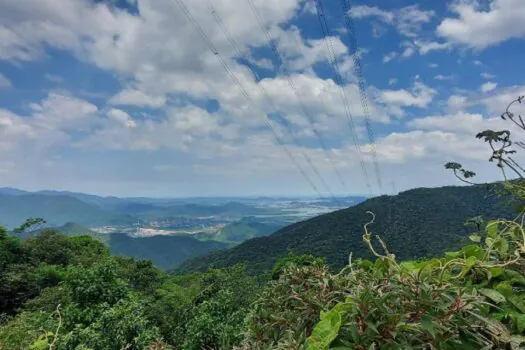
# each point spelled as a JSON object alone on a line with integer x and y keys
{"x": 468, "y": 299}
{"x": 31, "y": 223}
{"x": 295, "y": 260}
{"x": 419, "y": 223}
{"x": 203, "y": 311}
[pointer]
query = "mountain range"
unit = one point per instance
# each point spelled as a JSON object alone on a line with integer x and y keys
{"x": 59, "y": 207}
{"x": 417, "y": 223}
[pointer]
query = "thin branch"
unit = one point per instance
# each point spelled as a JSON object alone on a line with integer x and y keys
{"x": 52, "y": 346}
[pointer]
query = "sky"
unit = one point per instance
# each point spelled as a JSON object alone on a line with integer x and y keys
{"x": 252, "y": 97}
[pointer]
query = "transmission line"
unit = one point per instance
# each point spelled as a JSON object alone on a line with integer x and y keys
{"x": 330, "y": 47}
{"x": 345, "y": 4}
{"x": 292, "y": 85}
{"x": 269, "y": 100}
{"x": 243, "y": 91}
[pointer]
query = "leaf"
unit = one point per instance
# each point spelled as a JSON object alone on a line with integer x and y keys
{"x": 502, "y": 246}
{"x": 325, "y": 331}
{"x": 520, "y": 322}
{"x": 514, "y": 276}
{"x": 372, "y": 326}
{"x": 427, "y": 323}
{"x": 496, "y": 271}
{"x": 473, "y": 251}
{"x": 493, "y": 295}
{"x": 492, "y": 229}
{"x": 504, "y": 288}
{"x": 518, "y": 302}
{"x": 453, "y": 255}
{"x": 475, "y": 238}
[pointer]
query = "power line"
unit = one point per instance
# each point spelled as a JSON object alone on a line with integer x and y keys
{"x": 244, "y": 93}
{"x": 330, "y": 47}
{"x": 291, "y": 83}
{"x": 266, "y": 95}
{"x": 362, "y": 86}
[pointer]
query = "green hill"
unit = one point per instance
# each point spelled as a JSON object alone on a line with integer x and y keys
{"x": 416, "y": 223}
{"x": 56, "y": 210}
{"x": 241, "y": 231}
{"x": 166, "y": 252}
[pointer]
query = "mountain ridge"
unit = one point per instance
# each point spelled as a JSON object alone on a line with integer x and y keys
{"x": 415, "y": 223}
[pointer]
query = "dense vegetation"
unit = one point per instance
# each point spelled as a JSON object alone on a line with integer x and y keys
{"x": 166, "y": 252}
{"x": 68, "y": 293}
{"x": 59, "y": 292}
{"x": 416, "y": 223}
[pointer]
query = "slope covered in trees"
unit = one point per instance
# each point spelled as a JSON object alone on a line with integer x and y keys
{"x": 166, "y": 252}
{"x": 417, "y": 223}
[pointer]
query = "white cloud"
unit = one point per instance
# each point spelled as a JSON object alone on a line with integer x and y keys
{"x": 133, "y": 97}
{"x": 364, "y": 11}
{"x": 459, "y": 122}
{"x": 487, "y": 76}
{"x": 392, "y": 81}
{"x": 436, "y": 145}
{"x": 389, "y": 57}
{"x": 488, "y": 87}
{"x": 477, "y": 63}
{"x": 433, "y": 65}
{"x": 121, "y": 117}
{"x": 444, "y": 77}
{"x": 409, "y": 51}
{"x": 58, "y": 111}
{"x": 4, "y": 82}
{"x": 479, "y": 28}
{"x": 407, "y": 20}
{"x": 457, "y": 102}
{"x": 425, "y": 47}
{"x": 420, "y": 96}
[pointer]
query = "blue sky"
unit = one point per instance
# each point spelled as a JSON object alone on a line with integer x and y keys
{"x": 125, "y": 98}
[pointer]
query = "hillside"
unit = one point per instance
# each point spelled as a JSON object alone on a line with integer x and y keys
{"x": 166, "y": 252}
{"x": 56, "y": 210}
{"x": 416, "y": 223}
{"x": 243, "y": 230}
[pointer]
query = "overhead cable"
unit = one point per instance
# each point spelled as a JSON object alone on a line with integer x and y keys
{"x": 339, "y": 82}
{"x": 354, "y": 51}
{"x": 243, "y": 91}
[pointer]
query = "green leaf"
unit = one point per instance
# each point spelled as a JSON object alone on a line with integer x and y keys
{"x": 492, "y": 229}
{"x": 515, "y": 277}
{"x": 518, "y": 302}
{"x": 493, "y": 295}
{"x": 502, "y": 246}
{"x": 372, "y": 326}
{"x": 475, "y": 238}
{"x": 504, "y": 288}
{"x": 473, "y": 251}
{"x": 427, "y": 323}
{"x": 453, "y": 255}
{"x": 520, "y": 322}
{"x": 496, "y": 271}
{"x": 325, "y": 331}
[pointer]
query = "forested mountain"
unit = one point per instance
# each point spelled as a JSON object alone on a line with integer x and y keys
{"x": 56, "y": 210}
{"x": 417, "y": 223}
{"x": 165, "y": 252}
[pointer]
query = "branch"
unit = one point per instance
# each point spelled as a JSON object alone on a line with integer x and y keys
{"x": 52, "y": 346}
